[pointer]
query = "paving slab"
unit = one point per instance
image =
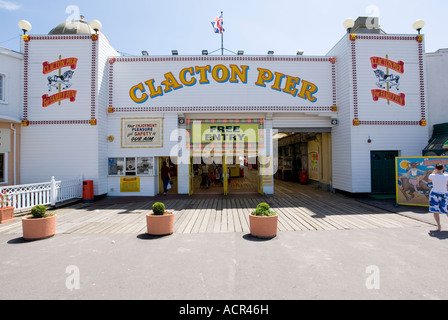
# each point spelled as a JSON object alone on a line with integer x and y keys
{"x": 381, "y": 263}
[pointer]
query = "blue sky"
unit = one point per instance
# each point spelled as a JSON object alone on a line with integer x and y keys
{"x": 254, "y": 26}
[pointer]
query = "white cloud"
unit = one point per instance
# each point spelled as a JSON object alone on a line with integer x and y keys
{"x": 8, "y": 5}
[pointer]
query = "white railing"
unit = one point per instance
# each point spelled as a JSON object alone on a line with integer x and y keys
{"x": 47, "y": 193}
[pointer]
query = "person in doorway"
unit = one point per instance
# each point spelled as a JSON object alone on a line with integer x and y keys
{"x": 438, "y": 198}
{"x": 166, "y": 177}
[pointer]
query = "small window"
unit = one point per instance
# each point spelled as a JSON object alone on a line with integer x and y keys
{"x": 145, "y": 166}
{"x": 116, "y": 166}
{"x": 131, "y": 166}
{"x": 2, "y": 87}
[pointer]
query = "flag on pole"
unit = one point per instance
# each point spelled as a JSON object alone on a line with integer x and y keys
{"x": 217, "y": 24}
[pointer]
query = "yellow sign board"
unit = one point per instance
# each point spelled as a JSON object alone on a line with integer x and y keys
{"x": 130, "y": 184}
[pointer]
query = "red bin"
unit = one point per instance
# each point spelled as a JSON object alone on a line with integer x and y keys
{"x": 303, "y": 176}
{"x": 87, "y": 190}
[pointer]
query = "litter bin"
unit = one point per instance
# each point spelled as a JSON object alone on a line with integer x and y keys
{"x": 303, "y": 176}
{"x": 87, "y": 190}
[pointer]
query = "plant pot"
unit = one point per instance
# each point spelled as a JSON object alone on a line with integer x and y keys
{"x": 40, "y": 228}
{"x": 263, "y": 226}
{"x": 6, "y": 214}
{"x": 160, "y": 225}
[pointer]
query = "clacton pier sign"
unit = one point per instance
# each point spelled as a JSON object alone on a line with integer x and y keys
{"x": 202, "y": 75}
{"x": 293, "y": 83}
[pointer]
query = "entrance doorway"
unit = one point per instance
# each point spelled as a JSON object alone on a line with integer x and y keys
{"x": 225, "y": 175}
{"x": 173, "y": 174}
{"x": 304, "y": 156}
{"x": 382, "y": 164}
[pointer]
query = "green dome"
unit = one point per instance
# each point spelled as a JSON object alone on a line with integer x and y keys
{"x": 72, "y": 27}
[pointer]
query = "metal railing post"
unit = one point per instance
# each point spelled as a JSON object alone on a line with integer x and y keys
{"x": 53, "y": 192}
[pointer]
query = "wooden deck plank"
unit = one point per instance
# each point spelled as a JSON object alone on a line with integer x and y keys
{"x": 194, "y": 217}
{"x": 236, "y": 218}
{"x": 325, "y": 211}
{"x": 202, "y": 216}
{"x": 243, "y": 215}
{"x": 295, "y": 221}
{"x": 209, "y": 219}
{"x": 300, "y": 208}
{"x": 184, "y": 220}
{"x": 225, "y": 217}
{"x": 219, "y": 216}
{"x": 318, "y": 206}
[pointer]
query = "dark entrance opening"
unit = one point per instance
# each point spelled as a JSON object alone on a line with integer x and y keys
{"x": 382, "y": 164}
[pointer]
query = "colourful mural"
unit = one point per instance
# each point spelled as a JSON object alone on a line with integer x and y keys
{"x": 412, "y": 183}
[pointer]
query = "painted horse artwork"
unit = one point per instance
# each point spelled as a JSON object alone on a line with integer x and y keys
{"x": 383, "y": 78}
{"x": 64, "y": 79}
{"x": 408, "y": 188}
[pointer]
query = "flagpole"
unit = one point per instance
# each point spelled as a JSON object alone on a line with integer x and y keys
{"x": 222, "y": 36}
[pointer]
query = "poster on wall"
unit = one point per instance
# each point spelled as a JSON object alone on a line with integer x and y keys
{"x": 412, "y": 174}
{"x": 141, "y": 132}
{"x": 130, "y": 184}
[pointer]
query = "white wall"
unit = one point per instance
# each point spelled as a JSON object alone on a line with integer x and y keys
{"x": 437, "y": 84}
{"x": 341, "y": 134}
{"x": 389, "y": 125}
{"x": 57, "y": 151}
{"x": 102, "y": 103}
{"x": 10, "y": 67}
{"x": 149, "y": 185}
{"x": 60, "y": 141}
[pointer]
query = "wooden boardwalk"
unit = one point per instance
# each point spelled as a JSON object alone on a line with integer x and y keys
{"x": 300, "y": 208}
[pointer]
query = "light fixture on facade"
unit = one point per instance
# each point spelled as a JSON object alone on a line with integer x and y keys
{"x": 369, "y": 140}
{"x": 240, "y": 52}
{"x": 349, "y": 24}
{"x": 145, "y": 53}
{"x": 25, "y": 26}
{"x": 418, "y": 25}
{"x": 96, "y": 25}
{"x": 204, "y": 52}
{"x": 174, "y": 52}
{"x": 300, "y": 52}
{"x": 270, "y": 52}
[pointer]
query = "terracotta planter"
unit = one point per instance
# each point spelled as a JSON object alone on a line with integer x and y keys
{"x": 6, "y": 214}
{"x": 263, "y": 226}
{"x": 159, "y": 225}
{"x": 41, "y": 228}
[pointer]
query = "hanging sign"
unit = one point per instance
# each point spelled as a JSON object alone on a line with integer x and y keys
{"x": 388, "y": 82}
{"x": 61, "y": 81}
{"x": 229, "y": 132}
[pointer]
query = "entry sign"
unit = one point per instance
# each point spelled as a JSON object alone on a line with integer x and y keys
{"x": 229, "y": 132}
{"x": 5, "y": 140}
